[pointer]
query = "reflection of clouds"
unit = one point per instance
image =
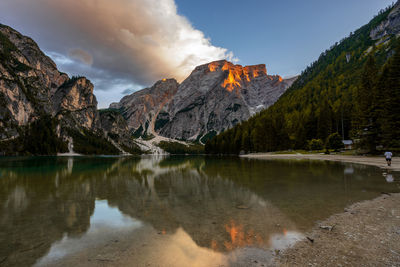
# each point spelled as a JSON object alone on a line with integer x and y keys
{"x": 179, "y": 249}
{"x": 174, "y": 194}
{"x": 201, "y": 215}
{"x": 105, "y": 223}
{"x": 389, "y": 178}
{"x": 17, "y": 199}
{"x": 285, "y": 240}
{"x": 349, "y": 170}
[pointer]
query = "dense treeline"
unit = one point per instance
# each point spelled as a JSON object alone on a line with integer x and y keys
{"x": 376, "y": 122}
{"x": 88, "y": 143}
{"x": 176, "y": 148}
{"x": 351, "y": 90}
{"x": 39, "y": 138}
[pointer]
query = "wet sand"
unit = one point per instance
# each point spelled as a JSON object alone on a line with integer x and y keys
{"x": 367, "y": 160}
{"x": 366, "y": 234}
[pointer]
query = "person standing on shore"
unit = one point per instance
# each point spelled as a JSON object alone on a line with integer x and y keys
{"x": 388, "y": 156}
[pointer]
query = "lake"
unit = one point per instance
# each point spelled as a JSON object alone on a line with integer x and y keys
{"x": 169, "y": 211}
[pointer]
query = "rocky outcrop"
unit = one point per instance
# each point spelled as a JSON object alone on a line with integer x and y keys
{"x": 215, "y": 97}
{"x": 391, "y": 26}
{"x": 141, "y": 108}
{"x": 116, "y": 128}
{"x": 75, "y": 100}
{"x": 31, "y": 87}
{"x": 28, "y": 80}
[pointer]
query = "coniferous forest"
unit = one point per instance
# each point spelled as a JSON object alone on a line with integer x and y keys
{"x": 352, "y": 92}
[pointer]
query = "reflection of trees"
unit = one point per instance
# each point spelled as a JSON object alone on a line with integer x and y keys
{"x": 42, "y": 205}
{"x": 39, "y": 204}
{"x": 305, "y": 191}
{"x": 221, "y": 203}
{"x": 177, "y": 194}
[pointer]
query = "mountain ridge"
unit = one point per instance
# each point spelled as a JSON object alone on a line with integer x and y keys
{"x": 324, "y": 99}
{"x": 43, "y": 105}
{"x": 214, "y": 97}
{"x": 42, "y": 108}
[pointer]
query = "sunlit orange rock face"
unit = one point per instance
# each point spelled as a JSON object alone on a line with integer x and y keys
{"x": 214, "y": 97}
{"x": 240, "y": 237}
{"x": 237, "y": 74}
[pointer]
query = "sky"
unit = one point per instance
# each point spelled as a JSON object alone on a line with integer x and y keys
{"x": 125, "y": 45}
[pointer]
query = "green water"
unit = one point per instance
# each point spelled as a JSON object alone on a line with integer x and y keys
{"x": 57, "y": 210}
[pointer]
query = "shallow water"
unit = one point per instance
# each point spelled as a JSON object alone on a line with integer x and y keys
{"x": 175, "y": 211}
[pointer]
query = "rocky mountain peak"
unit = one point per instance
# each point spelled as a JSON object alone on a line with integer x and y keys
{"x": 25, "y": 57}
{"x": 28, "y": 81}
{"x": 141, "y": 108}
{"x": 237, "y": 74}
{"x": 75, "y": 94}
{"x": 217, "y": 96}
{"x": 214, "y": 97}
{"x": 75, "y": 103}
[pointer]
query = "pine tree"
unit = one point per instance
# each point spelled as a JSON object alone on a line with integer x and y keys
{"x": 368, "y": 129}
{"x": 380, "y": 112}
{"x": 324, "y": 120}
{"x": 246, "y": 141}
{"x": 391, "y": 125}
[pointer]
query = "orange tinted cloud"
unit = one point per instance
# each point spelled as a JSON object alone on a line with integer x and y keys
{"x": 144, "y": 40}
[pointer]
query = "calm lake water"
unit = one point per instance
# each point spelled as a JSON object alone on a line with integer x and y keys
{"x": 174, "y": 211}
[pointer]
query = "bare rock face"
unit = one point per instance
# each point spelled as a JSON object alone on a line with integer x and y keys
{"x": 28, "y": 79}
{"x": 213, "y": 98}
{"x": 116, "y": 127}
{"x": 31, "y": 86}
{"x": 391, "y": 26}
{"x": 141, "y": 108}
{"x": 216, "y": 97}
{"x": 75, "y": 100}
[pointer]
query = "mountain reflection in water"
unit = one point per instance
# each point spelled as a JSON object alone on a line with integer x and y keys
{"x": 178, "y": 210}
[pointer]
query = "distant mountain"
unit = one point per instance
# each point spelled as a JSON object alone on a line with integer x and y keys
{"x": 141, "y": 108}
{"x": 215, "y": 97}
{"x": 42, "y": 110}
{"x": 325, "y": 98}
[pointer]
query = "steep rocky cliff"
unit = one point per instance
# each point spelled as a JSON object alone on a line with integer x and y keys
{"x": 31, "y": 88}
{"x": 75, "y": 103}
{"x": 116, "y": 128}
{"x": 141, "y": 108}
{"x": 28, "y": 80}
{"x": 215, "y": 97}
{"x": 390, "y": 26}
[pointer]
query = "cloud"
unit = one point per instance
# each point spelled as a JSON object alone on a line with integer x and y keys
{"x": 82, "y": 56}
{"x": 135, "y": 42}
{"x": 128, "y": 91}
{"x": 109, "y": 87}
